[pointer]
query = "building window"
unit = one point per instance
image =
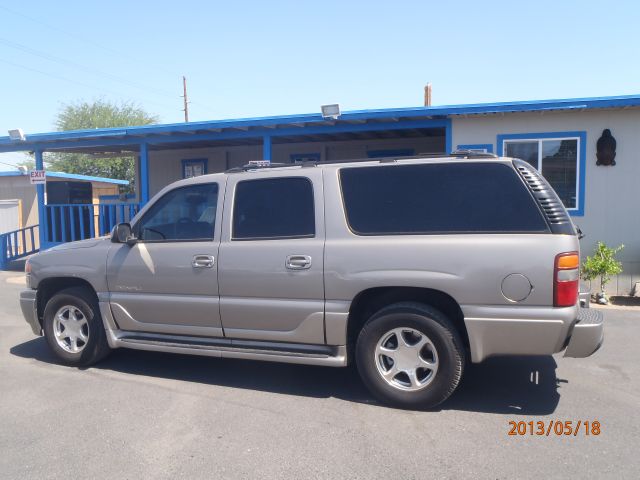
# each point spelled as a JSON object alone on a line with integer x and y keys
{"x": 194, "y": 167}
{"x": 304, "y": 157}
{"x": 559, "y": 157}
{"x": 477, "y": 147}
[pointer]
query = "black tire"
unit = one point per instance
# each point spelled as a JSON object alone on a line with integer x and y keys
{"x": 429, "y": 322}
{"x": 96, "y": 347}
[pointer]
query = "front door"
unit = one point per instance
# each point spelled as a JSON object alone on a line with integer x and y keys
{"x": 168, "y": 281}
{"x": 271, "y": 257}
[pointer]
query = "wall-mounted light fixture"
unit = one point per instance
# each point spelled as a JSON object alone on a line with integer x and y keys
{"x": 16, "y": 134}
{"x": 330, "y": 111}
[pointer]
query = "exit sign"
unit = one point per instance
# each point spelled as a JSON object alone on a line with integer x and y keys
{"x": 38, "y": 177}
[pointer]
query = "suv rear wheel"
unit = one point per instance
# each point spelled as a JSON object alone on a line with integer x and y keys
{"x": 73, "y": 327}
{"x": 410, "y": 355}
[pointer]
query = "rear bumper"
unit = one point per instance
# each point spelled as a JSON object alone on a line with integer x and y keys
{"x": 523, "y": 330}
{"x": 587, "y": 334}
{"x": 517, "y": 330}
{"x": 29, "y": 311}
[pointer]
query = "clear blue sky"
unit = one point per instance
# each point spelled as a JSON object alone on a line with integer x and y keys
{"x": 256, "y": 58}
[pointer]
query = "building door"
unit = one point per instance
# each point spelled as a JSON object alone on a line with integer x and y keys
{"x": 271, "y": 258}
{"x": 168, "y": 281}
{"x": 9, "y": 215}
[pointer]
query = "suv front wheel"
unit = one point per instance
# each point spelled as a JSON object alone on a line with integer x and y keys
{"x": 73, "y": 327}
{"x": 410, "y": 355}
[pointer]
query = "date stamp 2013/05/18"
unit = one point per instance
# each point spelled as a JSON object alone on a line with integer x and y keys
{"x": 555, "y": 427}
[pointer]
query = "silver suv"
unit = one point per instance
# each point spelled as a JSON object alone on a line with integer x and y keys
{"x": 407, "y": 267}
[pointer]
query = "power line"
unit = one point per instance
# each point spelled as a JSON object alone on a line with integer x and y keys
{"x": 114, "y": 52}
{"x": 85, "y": 39}
{"x": 72, "y": 63}
{"x": 9, "y": 164}
{"x": 65, "y": 79}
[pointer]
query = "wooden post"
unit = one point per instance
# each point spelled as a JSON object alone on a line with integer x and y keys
{"x": 427, "y": 95}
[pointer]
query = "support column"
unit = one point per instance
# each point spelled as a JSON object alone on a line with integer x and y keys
{"x": 43, "y": 228}
{"x": 448, "y": 148}
{"x": 144, "y": 174}
{"x": 266, "y": 147}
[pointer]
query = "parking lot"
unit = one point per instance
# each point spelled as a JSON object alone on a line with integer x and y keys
{"x": 154, "y": 415}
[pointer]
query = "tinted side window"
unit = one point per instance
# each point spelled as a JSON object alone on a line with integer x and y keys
{"x": 185, "y": 213}
{"x": 273, "y": 208}
{"x": 438, "y": 198}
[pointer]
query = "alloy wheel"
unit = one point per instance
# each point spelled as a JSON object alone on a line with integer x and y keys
{"x": 406, "y": 359}
{"x": 71, "y": 329}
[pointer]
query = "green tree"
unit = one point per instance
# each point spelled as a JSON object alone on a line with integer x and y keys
{"x": 603, "y": 264}
{"x": 99, "y": 113}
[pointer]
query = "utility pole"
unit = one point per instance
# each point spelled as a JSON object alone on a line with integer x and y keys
{"x": 186, "y": 100}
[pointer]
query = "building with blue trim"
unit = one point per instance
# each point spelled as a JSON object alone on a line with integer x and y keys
{"x": 20, "y": 210}
{"x": 556, "y": 136}
{"x": 15, "y": 189}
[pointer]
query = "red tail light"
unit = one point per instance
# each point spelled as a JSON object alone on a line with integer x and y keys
{"x": 566, "y": 275}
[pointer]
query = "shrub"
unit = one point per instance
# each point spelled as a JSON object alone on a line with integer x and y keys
{"x": 602, "y": 264}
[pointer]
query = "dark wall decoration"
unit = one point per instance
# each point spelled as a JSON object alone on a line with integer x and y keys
{"x": 606, "y": 149}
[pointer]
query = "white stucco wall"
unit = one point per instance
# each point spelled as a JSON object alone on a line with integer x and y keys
{"x": 612, "y": 194}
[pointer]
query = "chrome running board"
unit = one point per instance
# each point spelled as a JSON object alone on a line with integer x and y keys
{"x": 327, "y": 355}
{"x": 333, "y": 356}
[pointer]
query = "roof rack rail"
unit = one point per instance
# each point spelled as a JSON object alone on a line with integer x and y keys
{"x": 263, "y": 164}
{"x": 472, "y": 154}
{"x": 390, "y": 159}
{"x": 258, "y": 165}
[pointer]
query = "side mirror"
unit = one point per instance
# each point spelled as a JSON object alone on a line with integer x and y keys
{"x": 122, "y": 234}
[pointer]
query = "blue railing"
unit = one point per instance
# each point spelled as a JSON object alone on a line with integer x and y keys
{"x": 71, "y": 222}
{"x": 111, "y": 214}
{"x": 17, "y": 244}
{"x": 64, "y": 223}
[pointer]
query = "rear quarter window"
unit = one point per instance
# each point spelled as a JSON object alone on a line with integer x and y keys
{"x": 438, "y": 198}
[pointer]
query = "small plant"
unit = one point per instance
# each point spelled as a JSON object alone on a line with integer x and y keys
{"x": 602, "y": 264}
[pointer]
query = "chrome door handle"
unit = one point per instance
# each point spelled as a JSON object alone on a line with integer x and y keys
{"x": 203, "y": 261}
{"x": 298, "y": 262}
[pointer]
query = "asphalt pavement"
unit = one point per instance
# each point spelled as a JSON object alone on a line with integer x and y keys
{"x": 142, "y": 415}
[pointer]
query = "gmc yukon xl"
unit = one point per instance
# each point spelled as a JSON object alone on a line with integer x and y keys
{"x": 408, "y": 267}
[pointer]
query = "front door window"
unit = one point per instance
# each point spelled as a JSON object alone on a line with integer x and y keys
{"x": 186, "y": 213}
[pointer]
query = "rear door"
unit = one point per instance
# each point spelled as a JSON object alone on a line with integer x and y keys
{"x": 168, "y": 281}
{"x": 271, "y": 257}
